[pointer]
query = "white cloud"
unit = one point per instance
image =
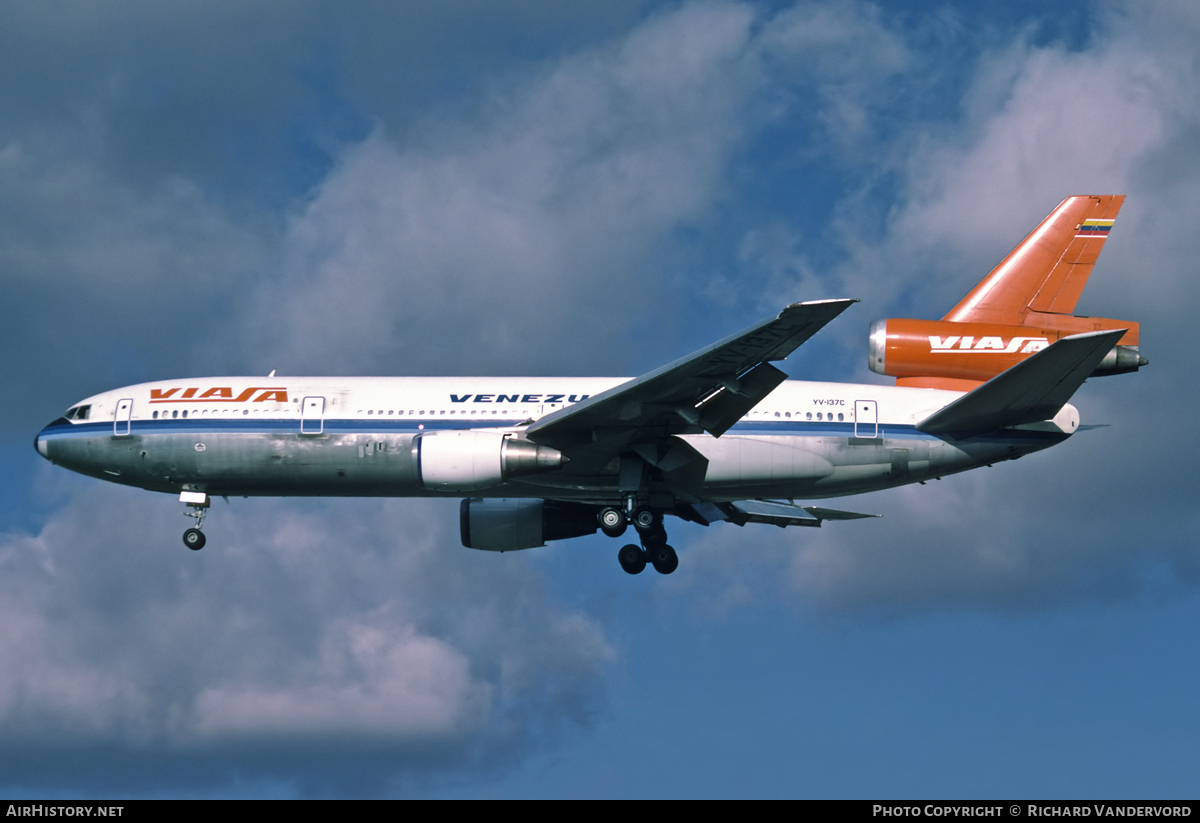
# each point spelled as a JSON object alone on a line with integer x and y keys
{"x": 380, "y": 681}
{"x": 534, "y": 230}
{"x": 480, "y": 243}
{"x": 322, "y": 628}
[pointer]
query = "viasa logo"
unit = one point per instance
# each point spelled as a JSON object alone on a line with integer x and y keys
{"x": 220, "y": 394}
{"x": 984, "y": 345}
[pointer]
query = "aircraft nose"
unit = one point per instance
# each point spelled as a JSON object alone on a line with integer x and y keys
{"x": 39, "y": 443}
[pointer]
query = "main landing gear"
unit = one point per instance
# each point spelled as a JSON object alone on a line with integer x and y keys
{"x": 654, "y": 549}
{"x": 198, "y": 503}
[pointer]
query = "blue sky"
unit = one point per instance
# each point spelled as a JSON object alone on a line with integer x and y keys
{"x": 546, "y": 188}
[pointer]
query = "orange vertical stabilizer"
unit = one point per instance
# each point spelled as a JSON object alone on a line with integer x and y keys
{"x": 1047, "y": 270}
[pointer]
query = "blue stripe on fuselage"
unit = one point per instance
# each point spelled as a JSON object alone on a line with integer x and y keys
{"x": 61, "y": 429}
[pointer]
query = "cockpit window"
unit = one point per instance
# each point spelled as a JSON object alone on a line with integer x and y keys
{"x": 78, "y": 413}
{"x": 70, "y": 415}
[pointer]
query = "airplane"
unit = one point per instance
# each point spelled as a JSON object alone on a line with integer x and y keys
{"x": 720, "y": 435}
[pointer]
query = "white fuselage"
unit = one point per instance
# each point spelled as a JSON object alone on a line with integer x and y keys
{"x": 362, "y": 436}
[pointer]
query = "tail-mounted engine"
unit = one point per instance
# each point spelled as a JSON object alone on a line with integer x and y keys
{"x": 916, "y": 350}
{"x": 469, "y": 460}
{"x": 502, "y": 525}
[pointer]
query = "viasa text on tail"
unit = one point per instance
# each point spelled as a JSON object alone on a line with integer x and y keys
{"x": 718, "y": 435}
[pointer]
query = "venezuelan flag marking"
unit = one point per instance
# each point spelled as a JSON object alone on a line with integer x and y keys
{"x": 1095, "y": 228}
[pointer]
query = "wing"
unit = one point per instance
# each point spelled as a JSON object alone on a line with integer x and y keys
{"x": 708, "y": 390}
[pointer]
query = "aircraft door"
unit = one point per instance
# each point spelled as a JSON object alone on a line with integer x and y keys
{"x": 122, "y": 416}
{"x": 312, "y": 415}
{"x": 866, "y": 418}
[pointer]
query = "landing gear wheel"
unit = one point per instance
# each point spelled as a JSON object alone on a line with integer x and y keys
{"x": 646, "y": 519}
{"x": 664, "y": 559}
{"x": 612, "y": 521}
{"x": 194, "y": 539}
{"x": 632, "y": 559}
{"x": 654, "y": 538}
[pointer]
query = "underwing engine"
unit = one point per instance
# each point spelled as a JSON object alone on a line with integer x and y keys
{"x": 469, "y": 460}
{"x": 501, "y": 525}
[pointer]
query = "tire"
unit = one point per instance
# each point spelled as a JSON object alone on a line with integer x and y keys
{"x": 632, "y": 559}
{"x": 612, "y": 521}
{"x": 653, "y": 539}
{"x": 664, "y": 558}
{"x": 646, "y": 519}
{"x": 194, "y": 539}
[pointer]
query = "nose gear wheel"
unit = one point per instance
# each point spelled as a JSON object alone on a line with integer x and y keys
{"x": 198, "y": 504}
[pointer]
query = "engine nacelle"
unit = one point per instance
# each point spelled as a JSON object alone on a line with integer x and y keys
{"x": 469, "y": 460}
{"x": 909, "y": 349}
{"x": 502, "y": 524}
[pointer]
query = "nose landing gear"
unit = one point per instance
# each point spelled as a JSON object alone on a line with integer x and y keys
{"x": 198, "y": 502}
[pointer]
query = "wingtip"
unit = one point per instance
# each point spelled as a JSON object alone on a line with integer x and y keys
{"x": 844, "y": 301}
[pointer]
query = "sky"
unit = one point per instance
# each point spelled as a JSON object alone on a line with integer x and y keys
{"x": 544, "y": 188}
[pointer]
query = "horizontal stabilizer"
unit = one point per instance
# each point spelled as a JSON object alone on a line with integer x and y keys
{"x": 1035, "y": 389}
{"x": 786, "y": 514}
